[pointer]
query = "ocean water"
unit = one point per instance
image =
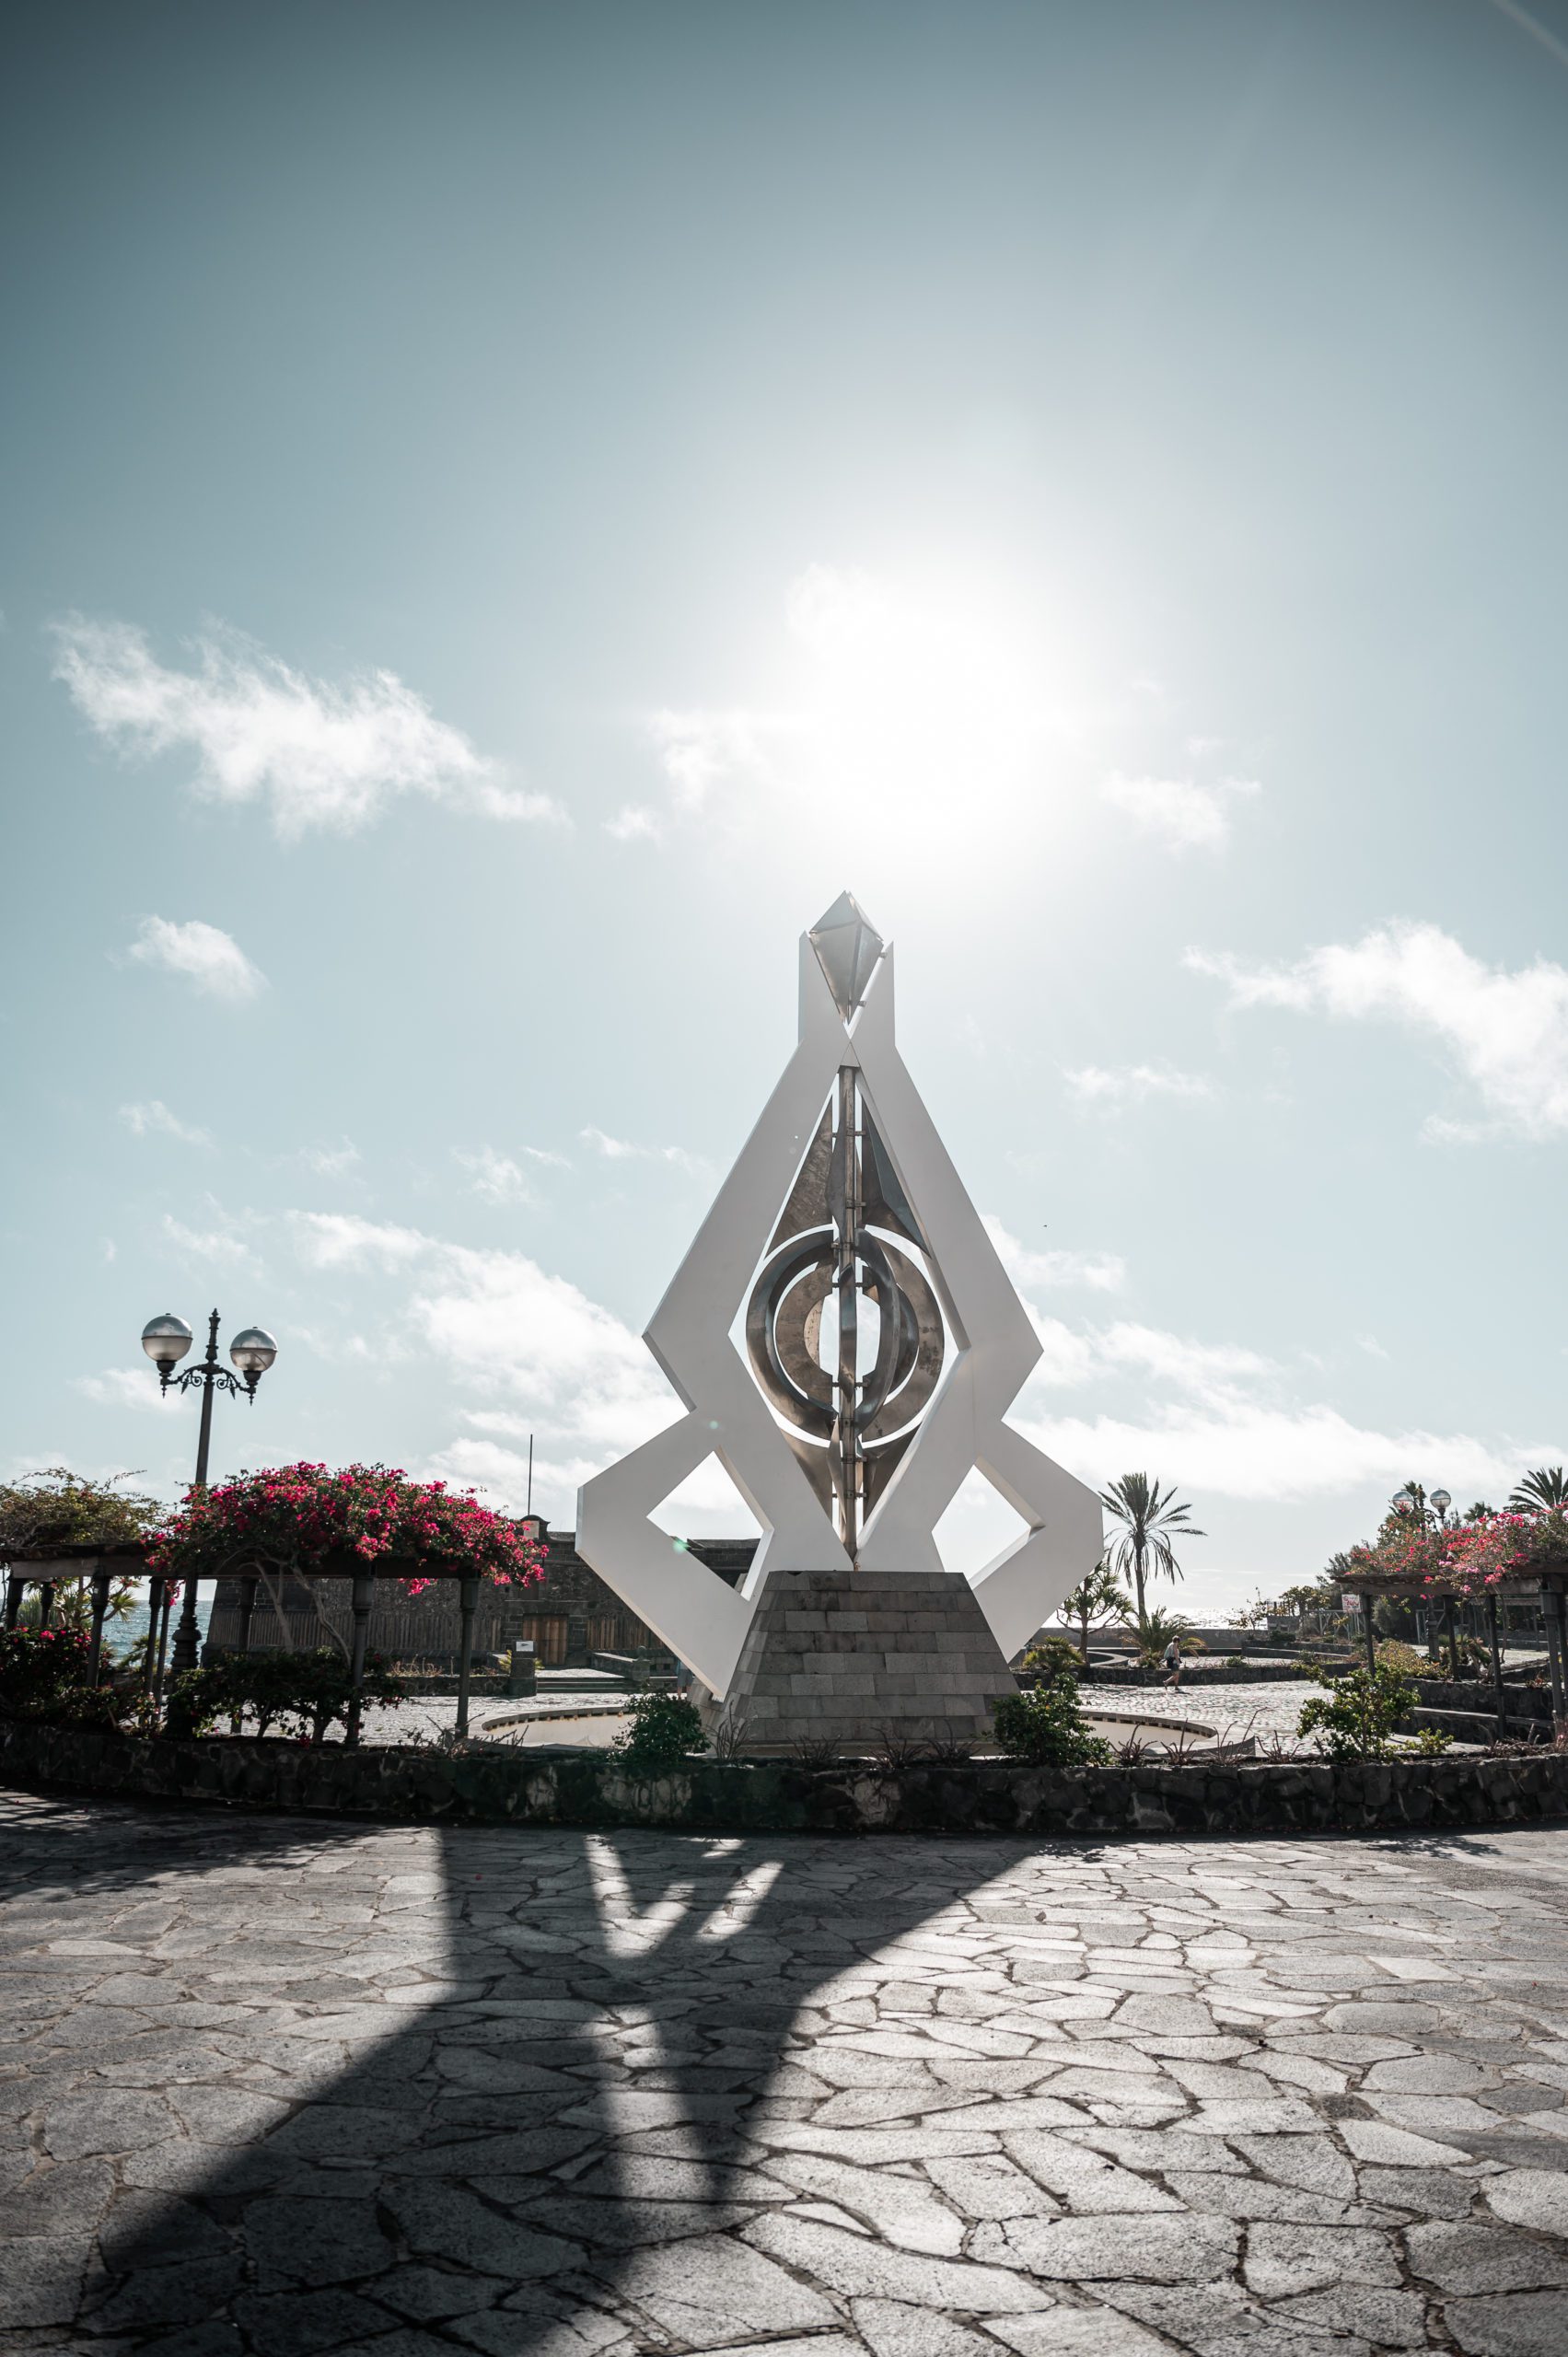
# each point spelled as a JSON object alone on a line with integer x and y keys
{"x": 131, "y": 1626}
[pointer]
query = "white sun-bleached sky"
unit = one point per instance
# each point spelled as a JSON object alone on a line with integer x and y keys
{"x": 507, "y": 520}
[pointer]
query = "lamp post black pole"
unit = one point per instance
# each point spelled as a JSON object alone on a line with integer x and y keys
{"x": 166, "y": 1341}
{"x": 187, "y": 1635}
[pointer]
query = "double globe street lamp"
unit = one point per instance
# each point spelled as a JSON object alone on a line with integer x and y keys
{"x": 166, "y": 1341}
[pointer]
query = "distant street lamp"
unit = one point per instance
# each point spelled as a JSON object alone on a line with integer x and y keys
{"x": 1425, "y": 1505}
{"x": 166, "y": 1341}
{"x": 1432, "y": 1506}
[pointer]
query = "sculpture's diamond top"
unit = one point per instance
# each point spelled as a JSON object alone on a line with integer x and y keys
{"x": 848, "y": 946}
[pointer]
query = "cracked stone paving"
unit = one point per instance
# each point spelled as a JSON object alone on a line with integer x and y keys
{"x": 281, "y": 2085}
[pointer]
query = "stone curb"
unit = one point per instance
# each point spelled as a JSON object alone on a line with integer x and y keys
{"x": 561, "y": 1786}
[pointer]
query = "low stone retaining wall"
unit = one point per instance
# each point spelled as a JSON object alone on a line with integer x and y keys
{"x": 982, "y": 1796}
{"x": 1201, "y": 1673}
{"x": 1520, "y": 1701}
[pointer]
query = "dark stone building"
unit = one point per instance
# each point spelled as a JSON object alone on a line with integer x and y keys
{"x": 567, "y": 1616}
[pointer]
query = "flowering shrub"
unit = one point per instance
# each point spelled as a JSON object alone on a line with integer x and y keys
{"x": 37, "y": 1665}
{"x": 1466, "y": 1559}
{"x": 43, "y": 1675}
{"x": 303, "y": 1518}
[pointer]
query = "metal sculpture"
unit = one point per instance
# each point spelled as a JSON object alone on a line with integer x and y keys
{"x": 885, "y": 1345}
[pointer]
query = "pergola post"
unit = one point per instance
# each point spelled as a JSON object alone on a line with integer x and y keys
{"x": 364, "y": 1593}
{"x": 45, "y": 1603}
{"x": 468, "y": 1603}
{"x": 1369, "y": 1635}
{"x": 1451, "y": 1631}
{"x": 100, "y": 1606}
{"x": 1496, "y": 1661}
{"x": 155, "y": 1611}
{"x": 13, "y": 1585}
{"x": 1552, "y": 1599}
{"x": 248, "y": 1586}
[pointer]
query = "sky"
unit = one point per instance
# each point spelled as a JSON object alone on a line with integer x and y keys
{"x": 505, "y": 511}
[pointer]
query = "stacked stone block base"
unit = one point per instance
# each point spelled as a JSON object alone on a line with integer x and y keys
{"x": 851, "y": 1657}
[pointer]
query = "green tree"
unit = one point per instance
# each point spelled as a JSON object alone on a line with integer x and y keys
{"x": 1098, "y": 1596}
{"x": 1357, "y": 1719}
{"x": 1540, "y": 1491}
{"x": 58, "y": 1508}
{"x": 1152, "y": 1519}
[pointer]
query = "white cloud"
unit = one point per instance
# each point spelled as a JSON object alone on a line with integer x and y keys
{"x": 635, "y": 823}
{"x": 621, "y": 1150}
{"x": 154, "y": 1118}
{"x": 121, "y": 1387}
{"x": 323, "y": 755}
{"x": 1184, "y": 814}
{"x": 331, "y": 1162}
{"x": 207, "y": 956}
{"x": 1371, "y": 1345}
{"x": 344, "y": 1240}
{"x": 1505, "y": 1033}
{"x": 1239, "y": 1448}
{"x": 1218, "y": 1419}
{"x": 572, "y": 1367}
{"x": 494, "y": 1176}
{"x": 699, "y": 750}
{"x": 498, "y": 1180}
{"x": 1114, "y": 1086}
{"x": 1100, "y": 1272}
{"x": 224, "y": 1243}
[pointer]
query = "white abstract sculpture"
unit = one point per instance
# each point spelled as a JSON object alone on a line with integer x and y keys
{"x": 848, "y": 1433}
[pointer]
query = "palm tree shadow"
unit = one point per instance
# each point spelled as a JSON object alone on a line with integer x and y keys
{"x": 595, "y": 2027}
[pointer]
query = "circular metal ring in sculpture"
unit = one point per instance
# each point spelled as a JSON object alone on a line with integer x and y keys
{"x": 784, "y": 1324}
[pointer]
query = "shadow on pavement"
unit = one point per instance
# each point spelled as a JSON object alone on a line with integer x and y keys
{"x": 416, "y": 2089}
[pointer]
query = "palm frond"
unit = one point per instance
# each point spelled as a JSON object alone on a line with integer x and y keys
{"x": 1540, "y": 1491}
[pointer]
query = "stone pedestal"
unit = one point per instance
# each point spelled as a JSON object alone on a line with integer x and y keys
{"x": 850, "y": 1656}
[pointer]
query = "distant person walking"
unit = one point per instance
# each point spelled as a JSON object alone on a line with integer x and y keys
{"x": 1173, "y": 1664}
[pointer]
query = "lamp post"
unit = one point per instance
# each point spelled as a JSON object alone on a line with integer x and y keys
{"x": 166, "y": 1341}
{"x": 1428, "y": 1507}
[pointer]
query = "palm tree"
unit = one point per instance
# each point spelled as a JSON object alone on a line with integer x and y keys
{"x": 1153, "y": 1518}
{"x": 1540, "y": 1491}
{"x": 1099, "y": 1595}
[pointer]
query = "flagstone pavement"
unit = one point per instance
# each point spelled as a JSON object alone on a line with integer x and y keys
{"x": 286, "y": 2085}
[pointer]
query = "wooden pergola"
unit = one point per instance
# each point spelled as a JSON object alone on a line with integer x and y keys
{"x": 48, "y": 1566}
{"x": 1546, "y": 1585}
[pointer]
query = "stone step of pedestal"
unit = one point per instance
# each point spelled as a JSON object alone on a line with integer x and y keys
{"x": 851, "y": 1657}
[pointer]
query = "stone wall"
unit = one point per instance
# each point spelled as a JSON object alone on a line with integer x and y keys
{"x": 567, "y": 1615}
{"x": 492, "y": 1785}
{"x": 1520, "y": 1700}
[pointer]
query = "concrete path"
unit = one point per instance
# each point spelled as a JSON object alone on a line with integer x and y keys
{"x": 286, "y": 2086}
{"x": 1269, "y": 1711}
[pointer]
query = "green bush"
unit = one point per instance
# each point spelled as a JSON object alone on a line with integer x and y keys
{"x": 1047, "y": 1728}
{"x": 43, "y": 1675}
{"x": 1408, "y": 1660}
{"x": 665, "y": 1728}
{"x": 1053, "y": 1657}
{"x": 301, "y": 1694}
{"x": 1357, "y": 1718}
